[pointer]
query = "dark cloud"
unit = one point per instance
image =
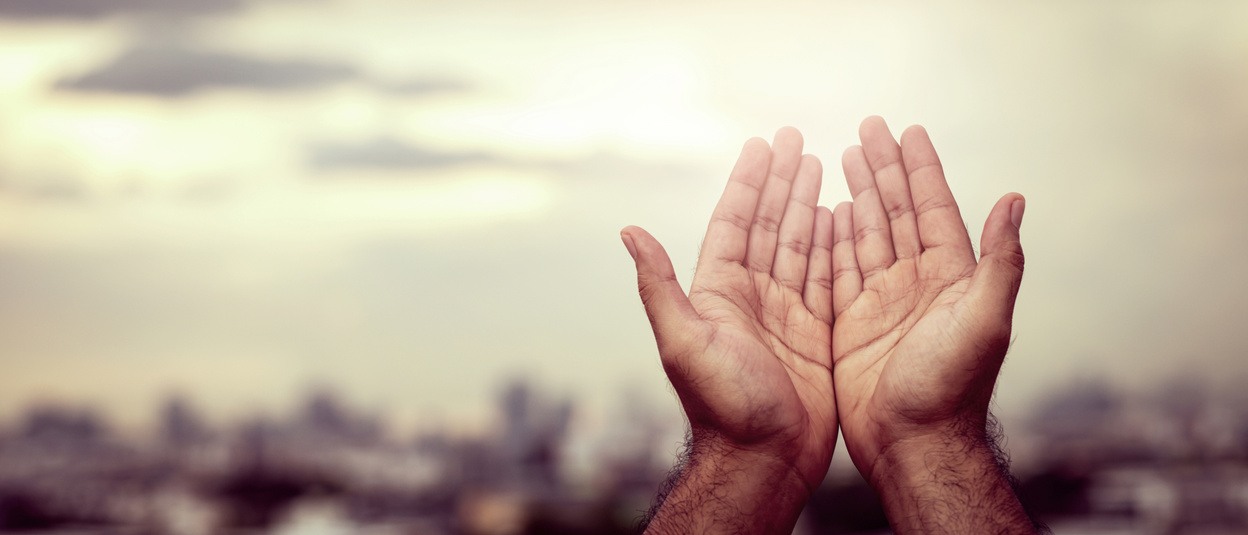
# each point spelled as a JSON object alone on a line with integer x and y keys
{"x": 93, "y": 9}
{"x": 389, "y": 153}
{"x": 174, "y": 71}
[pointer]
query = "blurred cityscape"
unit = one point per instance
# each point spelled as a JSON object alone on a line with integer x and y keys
{"x": 1091, "y": 460}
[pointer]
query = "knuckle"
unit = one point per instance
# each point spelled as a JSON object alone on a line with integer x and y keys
{"x": 797, "y": 247}
{"x": 884, "y": 161}
{"x": 767, "y": 223}
{"x": 822, "y": 282}
{"x": 866, "y": 231}
{"x": 1011, "y": 254}
{"x": 935, "y": 203}
{"x": 758, "y": 264}
{"x": 898, "y": 209}
{"x": 734, "y": 219}
{"x": 841, "y": 271}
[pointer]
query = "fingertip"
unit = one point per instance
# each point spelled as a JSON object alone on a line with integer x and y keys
{"x": 756, "y": 143}
{"x": 811, "y": 161}
{"x": 871, "y": 119}
{"x": 850, "y": 154}
{"x": 1001, "y": 254}
{"x": 1006, "y": 201}
{"x": 1017, "y": 207}
{"x": 645, "y": 250}
{"x": 788, "y": 132}
{"x": 914, "y": 132}
{"x": 628, "y": 242}
{"x": 788, "y": 141}
{"x": 1004, "y": 221}
{"x": 637, "y": 235}
{"x": 871, "y": 123}
{"x": 633, "y": 232}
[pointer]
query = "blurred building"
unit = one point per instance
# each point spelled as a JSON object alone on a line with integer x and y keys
{"x": 1091, "y": 461}
{"x": 328, "y": 468}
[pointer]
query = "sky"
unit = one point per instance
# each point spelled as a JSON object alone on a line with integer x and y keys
{"x": 414, "y": 202}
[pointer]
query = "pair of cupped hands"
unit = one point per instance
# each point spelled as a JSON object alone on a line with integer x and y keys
{"x": 876, "y": 317}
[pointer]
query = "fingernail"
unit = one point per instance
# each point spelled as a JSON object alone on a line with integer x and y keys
{"x": 1016, "y": 212}
{"x": 628, "y": 244}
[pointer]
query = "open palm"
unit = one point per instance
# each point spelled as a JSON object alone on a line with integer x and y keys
{"x": 749, "y": 349}
{"x": 920, "y": 327}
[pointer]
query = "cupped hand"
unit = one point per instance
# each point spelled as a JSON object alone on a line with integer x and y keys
{"x": 749, "y": 350}
{"x": 921, "y": 327}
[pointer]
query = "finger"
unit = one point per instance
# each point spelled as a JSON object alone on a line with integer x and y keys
{"x": 939, "y": 221}
{"x": 873, "y": 243}
{"x": 884, "y": 157}
{"x": 728, "y": 232}
{"x": 677, "y": 327}
{"x": 1000, "y": 269}
{"x": 786, "y": 155}
{"x": 818, "y": 291}
{"x": 846, "y": 279}
{"x": 793, "y": 248}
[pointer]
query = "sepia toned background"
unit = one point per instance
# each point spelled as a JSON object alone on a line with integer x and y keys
{"x": 247, "y": 206}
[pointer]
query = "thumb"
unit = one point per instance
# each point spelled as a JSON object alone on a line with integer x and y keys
{"x": 676, "y": 324}
{"x": 1000, "y": 269}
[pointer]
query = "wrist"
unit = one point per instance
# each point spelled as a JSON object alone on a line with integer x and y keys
{"x": 930, "y": 456}
{"x": 896, "y": 445}
{"x": 732, "y": 488}
{"x": 760, "y": 465}
{"x": 947, "y": 481}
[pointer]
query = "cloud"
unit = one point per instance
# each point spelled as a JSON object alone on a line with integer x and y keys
{"x": 425, "y": 86}
{"x": 175, "y": 71}
{"x": 48, "y": 188}
{"x": 389, "y": 153}
{"x": 94, "y": 9}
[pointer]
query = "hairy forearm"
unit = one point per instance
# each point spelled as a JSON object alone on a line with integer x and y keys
{"x": 948, "y": 483}
{"x": 724, "y": 489}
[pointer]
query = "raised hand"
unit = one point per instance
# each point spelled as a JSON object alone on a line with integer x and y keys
{"x": 749, "y": 350}
{"x": 920, "y": 331}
